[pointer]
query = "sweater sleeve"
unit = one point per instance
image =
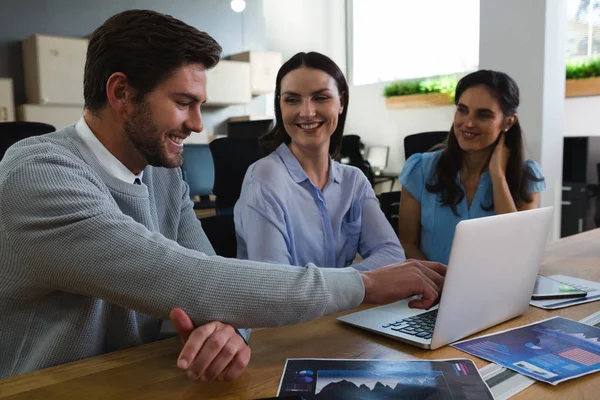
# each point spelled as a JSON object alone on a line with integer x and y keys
{"x": 68, "y": 234}
{"x": 189, "y": 232}
{"x": 190, "y": 235}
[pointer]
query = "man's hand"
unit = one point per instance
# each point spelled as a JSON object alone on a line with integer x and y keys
{"x": 211, "y": 351}
{"x": 399, "y": 281}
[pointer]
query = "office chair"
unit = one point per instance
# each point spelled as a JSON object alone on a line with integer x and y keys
{"x": 597, "y": 211}
{"x": 231, "y": 157}
{"x": 352, "y": 149}
{"x": 390, "y": 205}
{"x": 422, "y": 142}
{"x": 199, "y": 173}
{"x": 12, "y": 132}
{"x": 220, "y": 230}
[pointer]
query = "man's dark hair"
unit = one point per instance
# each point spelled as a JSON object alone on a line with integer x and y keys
{"x": 147, "y": 47}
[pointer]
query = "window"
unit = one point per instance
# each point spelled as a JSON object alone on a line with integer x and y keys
{"x": 583, "y": 29}
{"x": 405, "y": 39}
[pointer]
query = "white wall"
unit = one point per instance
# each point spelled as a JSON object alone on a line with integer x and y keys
{"x": 375, "y": 124}
{"x": 582, "y": 116}
{"x": 319, "y": 25}
{"x": 307, "y": 25}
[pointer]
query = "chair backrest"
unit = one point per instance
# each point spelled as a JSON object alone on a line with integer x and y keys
{"x": 390, "y": 205}
{"x": 220, "y": 230}
{"x": 231, "y": 157}
{"x": 352, "y": 149}
{"x": 422, "y": 142}
{"x": 198, "y": 169}
{"x": 12, "y": 132}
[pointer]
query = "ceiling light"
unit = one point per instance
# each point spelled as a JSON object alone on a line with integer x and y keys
{"x": 238, "y": 5}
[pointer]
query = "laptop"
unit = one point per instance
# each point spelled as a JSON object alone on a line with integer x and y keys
{"x": 493, "y": 266}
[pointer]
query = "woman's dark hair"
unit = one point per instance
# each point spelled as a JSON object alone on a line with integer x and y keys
{"x": 506, "y": 92}
{"x": 271, "y": 140}
{"x": 147, "y": 47}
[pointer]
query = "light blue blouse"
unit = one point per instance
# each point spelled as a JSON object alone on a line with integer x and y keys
{"x": 438, "y": 222}
{"x": 281, "y": 217}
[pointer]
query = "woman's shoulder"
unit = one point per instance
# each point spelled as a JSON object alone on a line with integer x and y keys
{"x": 534, "y": 168}
{"x": 432, "y": 156}
{"x": 425, "y": 163}
{"x": 268, "y": 170}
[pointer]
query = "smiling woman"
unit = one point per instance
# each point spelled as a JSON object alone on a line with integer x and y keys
{"x": 297, "y": 205}
{"x": 480, "y": 171}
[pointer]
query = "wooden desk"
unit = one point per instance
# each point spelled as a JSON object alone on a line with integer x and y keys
{"x": 384, "y": 177}
{"x": 205, "y": 212}
{"x": 149, "y": 372}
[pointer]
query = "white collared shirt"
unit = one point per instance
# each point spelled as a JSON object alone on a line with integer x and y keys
{"x": 106, "y": 158}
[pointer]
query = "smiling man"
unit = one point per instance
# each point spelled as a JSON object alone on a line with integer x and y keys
{"x": 98, "y": 238}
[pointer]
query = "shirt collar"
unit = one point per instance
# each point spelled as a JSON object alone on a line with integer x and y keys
{"x": 105, "y": 157}
{"x": 297, "y": 172}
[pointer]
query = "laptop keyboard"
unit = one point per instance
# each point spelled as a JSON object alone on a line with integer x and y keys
{"x": 419, "y": 325}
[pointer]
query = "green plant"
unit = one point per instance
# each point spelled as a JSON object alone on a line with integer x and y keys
{"x": 583, "y": 69}
{"x": 441, "y": 84}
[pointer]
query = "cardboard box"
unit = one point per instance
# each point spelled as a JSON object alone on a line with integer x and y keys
{"x": 53, "y": 68}
{"x": 58, "y": 116}
{"x": 264, "y": 66}
{"x": 228, "y": 83}
{"x": 7, "y": 104}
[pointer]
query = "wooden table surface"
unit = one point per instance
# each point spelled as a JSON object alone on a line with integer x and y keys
{"x": 149, "y": 371}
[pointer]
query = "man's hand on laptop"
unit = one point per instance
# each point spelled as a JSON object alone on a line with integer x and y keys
{"x": 210, "y": 351}
{"x": 399, "y": 281}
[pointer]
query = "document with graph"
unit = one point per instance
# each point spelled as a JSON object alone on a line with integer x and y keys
{"x": 310, "y": 378}
{"x": 553, "y": 350}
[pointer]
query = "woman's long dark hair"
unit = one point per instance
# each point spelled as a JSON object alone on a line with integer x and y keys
{"x": 271, "y": 140}
{"x": 506, "y": 92}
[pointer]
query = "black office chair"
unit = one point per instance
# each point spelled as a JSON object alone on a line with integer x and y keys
{"x": 597, "y": 195}
{"x": 231, "y": 157}
{"x": 423, "y": 142}
{"x": 220, "y": 230}
{"x": 12, "y": 132}
{"x": 390, "y": 205}
{"x": 352, "y": 149}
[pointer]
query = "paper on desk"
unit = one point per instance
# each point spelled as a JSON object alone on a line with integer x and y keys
{"x": 314, "y": 378}
{"x": 505, "y": 383}
{"x": 592, "y": 289}
{"x": 553, "y": 350}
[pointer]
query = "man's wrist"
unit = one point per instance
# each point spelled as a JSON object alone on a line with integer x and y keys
{"x": 368, "y": 284}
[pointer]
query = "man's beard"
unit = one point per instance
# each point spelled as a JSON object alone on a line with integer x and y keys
{"x": 145, "y": 135}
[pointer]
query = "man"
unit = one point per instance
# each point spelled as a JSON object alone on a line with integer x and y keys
{"x": 99, "y": 240}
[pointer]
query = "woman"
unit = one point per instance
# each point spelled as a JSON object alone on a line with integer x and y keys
{"x": 297, "y": 205}
{"x": 480, "y": 171}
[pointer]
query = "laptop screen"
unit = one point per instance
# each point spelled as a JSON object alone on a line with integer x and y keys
{"x": 378, "y": 157}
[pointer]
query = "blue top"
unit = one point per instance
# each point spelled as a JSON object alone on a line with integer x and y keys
{"x": 438, "y": 222}
{"x": 282, "y": 217}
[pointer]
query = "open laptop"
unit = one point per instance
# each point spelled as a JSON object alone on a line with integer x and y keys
{"x": 377, "y": 156}
{"x": 491, "y": 273}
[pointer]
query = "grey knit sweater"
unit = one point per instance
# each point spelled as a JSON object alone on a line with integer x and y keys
{"x": 90, "y": 264}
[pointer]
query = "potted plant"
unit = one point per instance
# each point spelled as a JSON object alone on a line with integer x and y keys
{"x": 583, "y": 78}
{"x": 421, "y": 93}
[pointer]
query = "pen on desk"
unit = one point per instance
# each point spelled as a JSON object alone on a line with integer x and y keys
{"x": 581, "y": 300}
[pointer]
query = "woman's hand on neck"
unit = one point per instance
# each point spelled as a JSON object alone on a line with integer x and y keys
{"x": 314, "y": 162}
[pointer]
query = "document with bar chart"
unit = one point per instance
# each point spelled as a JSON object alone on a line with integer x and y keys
{"x": 312, "y": 378}
{"x": 553, "y": 350}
